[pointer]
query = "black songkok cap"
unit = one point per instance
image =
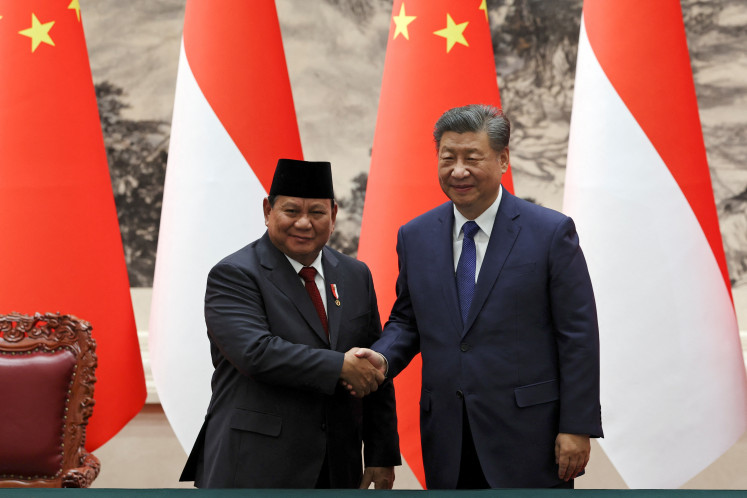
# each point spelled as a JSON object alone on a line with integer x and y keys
{"x": 307, "y": 179}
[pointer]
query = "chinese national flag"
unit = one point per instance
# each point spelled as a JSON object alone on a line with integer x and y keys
{"x": 62, "y": 250}
{"x": 439, "y": 56}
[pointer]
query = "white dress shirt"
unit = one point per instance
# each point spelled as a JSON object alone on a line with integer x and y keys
{"x": 318, "y": 279}
{"x": 485, "y": 222}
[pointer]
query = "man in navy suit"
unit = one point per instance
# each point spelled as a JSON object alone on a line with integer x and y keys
{"x": 283, "y": 315}
{"x": 495, "y": 293}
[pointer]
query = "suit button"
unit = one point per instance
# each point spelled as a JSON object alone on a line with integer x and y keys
{"x": 465, "y": 347}
{"x": 460, "y": 395}
{"x": 324, "y": 426}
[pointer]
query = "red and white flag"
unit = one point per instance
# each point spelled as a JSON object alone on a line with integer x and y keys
{"x": 439, "y": 56}
{"x": 233, "y": 118}
{"x": 62, "y": 249}
{"x": 674, "y": 396}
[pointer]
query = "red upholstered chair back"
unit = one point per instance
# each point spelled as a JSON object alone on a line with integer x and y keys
{"x": 47, "y": 367}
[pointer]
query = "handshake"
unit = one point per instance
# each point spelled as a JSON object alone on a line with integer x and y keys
{"x": 362, "y": 371}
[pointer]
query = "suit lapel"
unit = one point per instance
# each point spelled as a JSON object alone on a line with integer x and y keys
{"x": 281, "y": 274}
{"x": 333, "y": 275}
{"x": 444, "y": 258}
{"x": 502, "y": 239}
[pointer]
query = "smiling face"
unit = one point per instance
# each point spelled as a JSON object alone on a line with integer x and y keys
{"x": 470, "y": 171}
{"x": 300, "y": 227}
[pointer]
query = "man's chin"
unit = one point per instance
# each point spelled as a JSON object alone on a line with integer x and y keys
{"x": 462, "y": 201}
{"x": 300, "y": 252}
{"x": 300, "y": 242}
{"x": 461, "y": 195}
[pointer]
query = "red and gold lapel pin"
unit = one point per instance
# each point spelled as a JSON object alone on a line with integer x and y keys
{"x": 334, "y": 293}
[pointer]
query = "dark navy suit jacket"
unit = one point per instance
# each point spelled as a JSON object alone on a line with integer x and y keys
{"x": 526, "y": 363}
{"x": 277, "y": 407}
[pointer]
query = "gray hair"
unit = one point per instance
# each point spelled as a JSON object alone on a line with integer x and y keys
{"x": 475, "y": 118}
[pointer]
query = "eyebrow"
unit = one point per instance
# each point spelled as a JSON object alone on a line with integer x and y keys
{"x": 468, "y": 151}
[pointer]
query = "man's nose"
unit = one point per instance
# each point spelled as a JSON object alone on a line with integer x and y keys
{"x": 303, "y": 222}
{"x": 460, "y": 169}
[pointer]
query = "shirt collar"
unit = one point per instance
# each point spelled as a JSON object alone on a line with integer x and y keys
{"x": 317, "y": 264}
{"x": 485, "y": 221}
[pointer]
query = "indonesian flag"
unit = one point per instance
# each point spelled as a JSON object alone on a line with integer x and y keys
{"x": 674, "y": 395}
{"x": 62, "y": 249}
{"x": 233, "y": 118}
{"x": 439, "y": 56}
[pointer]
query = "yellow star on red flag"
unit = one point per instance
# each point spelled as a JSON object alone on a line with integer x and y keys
{"x": 483, "y": 6}
{"x": 453, "y": 32}
{"x": 75, "y": 5}
{"x": 401, "y": 22}
{"x": 38, "y": 32}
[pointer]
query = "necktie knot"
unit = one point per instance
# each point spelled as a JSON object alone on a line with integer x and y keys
{"x": 470, "y": 229}
{"x": 308, "y": 273}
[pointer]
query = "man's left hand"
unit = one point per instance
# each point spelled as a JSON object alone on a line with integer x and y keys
{"x": 382, "y": 477}
{"x": 571, "y": 454}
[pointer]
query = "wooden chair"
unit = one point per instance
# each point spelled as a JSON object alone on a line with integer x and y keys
{"x": 47, "y": 367}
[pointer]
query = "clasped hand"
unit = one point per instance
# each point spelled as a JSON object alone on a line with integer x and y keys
{"x": 359, "y": 375}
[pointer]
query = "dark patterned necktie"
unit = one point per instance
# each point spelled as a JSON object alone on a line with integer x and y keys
{"x": 308, "y": 273}
{"x": 465, "y": 273}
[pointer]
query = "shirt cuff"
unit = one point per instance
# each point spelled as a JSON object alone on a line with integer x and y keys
{"x": 386, "y": 363}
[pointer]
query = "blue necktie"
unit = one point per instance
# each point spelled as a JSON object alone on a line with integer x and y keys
{"x": 465, "y": 273}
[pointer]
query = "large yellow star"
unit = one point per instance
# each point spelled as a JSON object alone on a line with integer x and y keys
{"x": 454, "y": 33}
{"x": 401, "y": 21}
{"x": 483, "y": 6}
{"x": 75, "y": 5}
{"x": 38, "y": 32}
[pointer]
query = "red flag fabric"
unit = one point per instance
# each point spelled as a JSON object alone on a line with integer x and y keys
{"x": 233, "y": 119}
{"x": 63, "y": 250}
{"x": 439, "y": 56}
{"x": 674, "y": 392}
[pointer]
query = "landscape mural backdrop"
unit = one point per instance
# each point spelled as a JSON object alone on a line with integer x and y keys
{"x": 335, "y": 53}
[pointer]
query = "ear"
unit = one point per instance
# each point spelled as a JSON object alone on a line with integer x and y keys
{"x": 334, "y": 215}
{"x": 505, "y": 159}
{"x": 266, "y": 208}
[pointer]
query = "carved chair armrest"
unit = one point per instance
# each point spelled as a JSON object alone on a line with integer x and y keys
{"x": 83, "y": 476}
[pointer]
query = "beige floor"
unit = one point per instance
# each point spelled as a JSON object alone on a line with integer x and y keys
{"x": 146, "y": 454}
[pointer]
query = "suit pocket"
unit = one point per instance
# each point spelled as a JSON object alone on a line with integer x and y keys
{"x": 534, "y": 394}
{"x": 358, "y": 322}
{"x": 261, "y": 423}
{"x": 518, "y": 269}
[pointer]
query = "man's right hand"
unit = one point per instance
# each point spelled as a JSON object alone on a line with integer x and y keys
{"x": 375, "y": 358}
{"x": 359, "y": 375}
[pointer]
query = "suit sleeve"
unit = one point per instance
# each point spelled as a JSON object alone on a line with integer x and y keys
{"x": 380, "y": 437}
{"x": 577, "y": 334}
{"x": 400, "y": 340}
{"x": 238, "y": 326}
